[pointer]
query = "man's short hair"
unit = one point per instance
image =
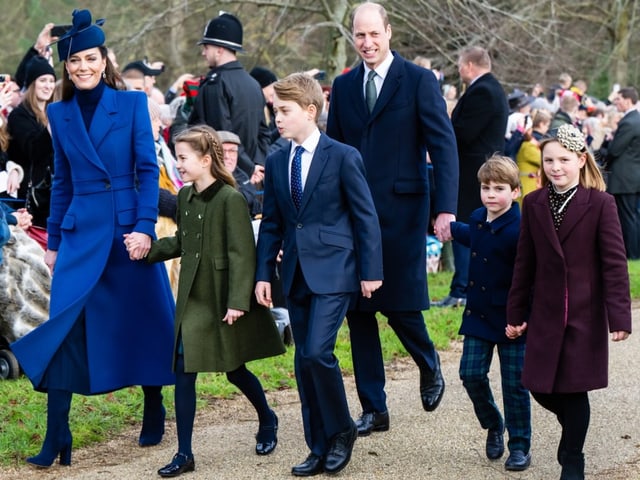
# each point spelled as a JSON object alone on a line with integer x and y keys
{"x": 500, "y": 169}
{"x": 629, "y": 93}
{"x": 302, "y": 89}
{"x": 476, "y": 55}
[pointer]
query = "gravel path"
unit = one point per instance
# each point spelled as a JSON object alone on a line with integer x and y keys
{"x": 445, "y": 444}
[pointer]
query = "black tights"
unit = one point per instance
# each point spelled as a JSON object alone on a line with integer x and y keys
{"x": 573, "y": 412}
{"x": 185, "y": 400}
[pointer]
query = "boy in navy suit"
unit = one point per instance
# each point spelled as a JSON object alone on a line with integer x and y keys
{"x": 319, "y": 210}
{"x": 492, "y": 236}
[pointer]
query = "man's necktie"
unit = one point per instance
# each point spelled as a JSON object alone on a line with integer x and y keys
{"x": 296, "y": 176}
{"x": 371, "y": 95}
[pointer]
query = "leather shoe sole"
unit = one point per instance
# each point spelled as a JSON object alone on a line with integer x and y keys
{"x": 313, "y": 465}
{"x": 518, "y": 461}
{"x": 372, "y": 422}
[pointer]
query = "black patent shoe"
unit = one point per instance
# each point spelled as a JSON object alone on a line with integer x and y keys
{"x": 267, "y": 437}
{"x": 431, "y": 387}
{"x": 312, "y": 465}
{"x": 180, "y": 464}
{"x": 372, "y": 422}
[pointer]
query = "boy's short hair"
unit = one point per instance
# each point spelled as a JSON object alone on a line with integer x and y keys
{"x": 302, "y": 89}
{"x": 500, "y": 169}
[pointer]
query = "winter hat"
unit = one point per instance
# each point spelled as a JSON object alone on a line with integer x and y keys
{"x": 37, "y": 67}
{"x": 263, "y": 76}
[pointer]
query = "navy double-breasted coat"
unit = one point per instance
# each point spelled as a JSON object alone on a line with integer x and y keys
{"x": 105, "y": 185}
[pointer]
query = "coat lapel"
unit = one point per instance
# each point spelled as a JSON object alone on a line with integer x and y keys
{"x": 577, "y": 209}
{"x": 390, "y": 86}
{"x": 542, "y": 213}
{"x": 281, "y": 176}
{"x": 318, "y": 163}
{"x": 103, "y": 118}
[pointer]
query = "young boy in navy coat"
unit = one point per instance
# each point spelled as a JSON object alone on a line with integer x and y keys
{"x": 319, "y": 210}
{"x": 492, "y": 236}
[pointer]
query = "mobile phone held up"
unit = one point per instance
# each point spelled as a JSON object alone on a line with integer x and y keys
{"x": 4, "y": 78}
{"x": 59, "y": 30}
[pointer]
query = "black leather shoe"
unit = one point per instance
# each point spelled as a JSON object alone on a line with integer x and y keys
{"x": 180, "y": 464}
{"x": 313, "y": 465}
{"x": 450, "y": 301}
{"x": 372, "y": 422}
{"x": 267, "y": 437}
{"x": 431, "y": 387}
{"x": 495, "y": 443}
{"x": 339, "y": 452}
{"x": 518, "y": 461}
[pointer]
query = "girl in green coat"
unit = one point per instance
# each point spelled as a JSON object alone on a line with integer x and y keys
{"x": 217, "y": 329}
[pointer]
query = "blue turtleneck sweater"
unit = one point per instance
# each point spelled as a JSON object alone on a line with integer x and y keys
{"x": 88, "y": 101}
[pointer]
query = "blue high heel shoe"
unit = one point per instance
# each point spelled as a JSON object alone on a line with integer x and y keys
{"x": 48, "y": 455}
{"x": 153, "y": 418}
{"x": 58, "y": 440}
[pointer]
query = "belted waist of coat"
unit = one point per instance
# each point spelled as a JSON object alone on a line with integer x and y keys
{"x": 99, "y": 185}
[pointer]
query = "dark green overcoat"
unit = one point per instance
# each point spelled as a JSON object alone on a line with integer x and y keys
{"x": 216, "y": 247}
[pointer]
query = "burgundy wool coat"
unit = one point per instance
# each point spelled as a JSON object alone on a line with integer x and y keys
{"x": 572, "y": 287}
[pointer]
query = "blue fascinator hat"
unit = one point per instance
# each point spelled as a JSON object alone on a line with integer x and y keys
{"x": 82, "y": 35}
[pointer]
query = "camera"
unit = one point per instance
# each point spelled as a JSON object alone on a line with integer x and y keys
{"x": 59, "y": 30}
{"x": 4, "y": 77}
{"x": 321, "y": 75}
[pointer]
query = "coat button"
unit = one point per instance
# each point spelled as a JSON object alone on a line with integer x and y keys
{"x": 199, "y": 216}
{"x": 483, "y": 289}
{"x": 197, "y": 254}
{"x": 467, "y": 312}
{"x": 485, "y": 260}
{"x": 198, "y": 235}
{"x": 299, "y": 226}
{"x": 474, "y": 254}
{"x": 107, "y": 185}
{"x": 186, "y": 213}
{"x": 471, "y": 283}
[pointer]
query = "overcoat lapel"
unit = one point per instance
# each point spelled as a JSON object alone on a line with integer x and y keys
{"x": 576, "y": 209}
{"x": 389, "y": 87}
{"x": 542, "y": 212}
{"x": 360, "y": 104}
{"x": 104, "y": 118}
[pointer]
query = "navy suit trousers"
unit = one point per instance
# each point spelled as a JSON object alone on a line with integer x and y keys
{"x": 315, "y": 321}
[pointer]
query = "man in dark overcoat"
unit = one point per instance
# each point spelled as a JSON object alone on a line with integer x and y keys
{"x": 407, "y": 117}
{"x": 479, "y": 121}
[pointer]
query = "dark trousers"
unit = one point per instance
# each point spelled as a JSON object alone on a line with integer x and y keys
{"x": 366, "y": 351}
{"x": 629, "y": 215}
{"x": 475, "y": 363}
{"x": 315, "y": 321}
{"x": 461, "y": 259}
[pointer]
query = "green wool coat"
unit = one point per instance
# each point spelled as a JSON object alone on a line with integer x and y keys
{"x": 216, "y": 247}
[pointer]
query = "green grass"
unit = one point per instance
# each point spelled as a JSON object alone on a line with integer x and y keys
{"x": 95, "y": 419}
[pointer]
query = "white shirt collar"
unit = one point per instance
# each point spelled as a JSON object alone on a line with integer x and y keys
{"x": 381, "y": 70}
{"x": 310, "y": 144}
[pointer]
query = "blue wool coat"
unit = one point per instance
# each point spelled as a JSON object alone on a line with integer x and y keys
{"x": 493, "y": 254}
{"x": 106, "y": 184}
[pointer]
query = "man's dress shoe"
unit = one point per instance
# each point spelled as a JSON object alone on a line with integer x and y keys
{"x": 372, "y": 422}
{"x": 495, "y": 443}
{"x": 313, "y": 465}
{"x": 339, "y": 452}
{"x": 518, "y": 461}
{"x": 450, "y": 301}
{"x": 180, "y": 464}
{"x": 431, "y": 387}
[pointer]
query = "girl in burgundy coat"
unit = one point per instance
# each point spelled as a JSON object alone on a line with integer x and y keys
{"x": 570, "y": 288}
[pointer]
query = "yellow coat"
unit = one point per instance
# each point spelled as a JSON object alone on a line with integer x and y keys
{"x": 529, "y": 163}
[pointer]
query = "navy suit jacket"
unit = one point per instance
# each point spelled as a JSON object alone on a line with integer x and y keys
{"x": 334, "y": 236}
{"x": 408, "y": 119}
{"x": 623, "y": 156}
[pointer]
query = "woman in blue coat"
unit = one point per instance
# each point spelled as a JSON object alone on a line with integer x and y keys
{"x": 111, "y": 318}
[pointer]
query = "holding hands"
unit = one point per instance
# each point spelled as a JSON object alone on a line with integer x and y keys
{"x": 138, "y": 245}
{"x": 515, "y": 331}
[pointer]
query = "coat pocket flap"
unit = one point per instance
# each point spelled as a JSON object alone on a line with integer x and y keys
{"x": 68, "y": 222}
{"x": 336, "y": 239}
